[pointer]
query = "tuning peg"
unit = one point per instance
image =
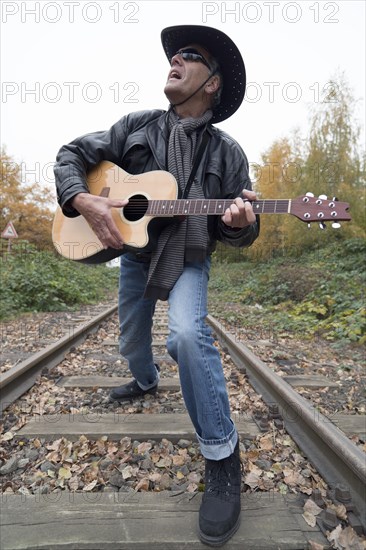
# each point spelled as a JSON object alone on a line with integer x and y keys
{"x": 309, "y": 225}
{"x": 323, "y": 197}
{"x": 334, "y": 199}
{"x": 309, "y": 194}
{"x": 336, "y": 225}
{"x": 322, "y": 225}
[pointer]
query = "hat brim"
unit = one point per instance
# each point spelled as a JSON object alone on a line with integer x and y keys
{"x": 220, "y": 46}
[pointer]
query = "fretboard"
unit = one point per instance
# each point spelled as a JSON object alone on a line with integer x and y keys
{"x": 208, "y": 207}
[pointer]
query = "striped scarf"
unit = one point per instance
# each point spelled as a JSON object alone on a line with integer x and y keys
{"x": 188, "y": 240}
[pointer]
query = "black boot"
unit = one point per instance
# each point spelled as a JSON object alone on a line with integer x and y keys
{"x": 131, "y": 390}
{"x": 219, "y": 515}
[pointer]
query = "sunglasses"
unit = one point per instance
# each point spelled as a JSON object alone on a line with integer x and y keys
{"x": 190, "y": 54}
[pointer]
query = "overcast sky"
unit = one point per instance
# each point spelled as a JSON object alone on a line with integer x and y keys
{"x": 72, "y": 67}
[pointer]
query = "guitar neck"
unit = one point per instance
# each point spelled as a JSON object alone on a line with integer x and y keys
{"x": 208, "y": 207}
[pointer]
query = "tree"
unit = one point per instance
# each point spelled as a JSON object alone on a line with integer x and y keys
{"x": 326, "y": 162}
{"x": 279, "y": 177}
{"x": 26, "y": 205}
{"x": 334, "y": 165}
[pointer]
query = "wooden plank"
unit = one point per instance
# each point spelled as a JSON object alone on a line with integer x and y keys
{"x": 309, "y": 381}
{"x": 164, "y": 358}
{"x": 118, "y": 425}
{"x": 113, "y": 357}
{"x": 96, "y": 381}
{"x": 114, "y": 343}
{"x": 159, "y": 342}
{"x": 106, "y": 357}
{"x": 350, "y": 424}
{"x": 137, "y": 521}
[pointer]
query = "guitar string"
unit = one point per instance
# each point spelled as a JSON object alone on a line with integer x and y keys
{"x": 178, "y": 204}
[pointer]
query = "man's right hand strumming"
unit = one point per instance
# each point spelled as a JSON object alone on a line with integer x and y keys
{"x": 98, "y": 213}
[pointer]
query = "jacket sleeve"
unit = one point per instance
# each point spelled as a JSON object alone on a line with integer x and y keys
{"x": 235, "y": 179}
{"x": 74, "y": 160}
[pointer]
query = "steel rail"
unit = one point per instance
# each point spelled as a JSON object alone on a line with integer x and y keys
{"x": 21, "y": 378}
{"x": 337, "y": 459}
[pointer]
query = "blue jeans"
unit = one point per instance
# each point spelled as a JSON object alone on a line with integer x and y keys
{"x": 189, "y": 343}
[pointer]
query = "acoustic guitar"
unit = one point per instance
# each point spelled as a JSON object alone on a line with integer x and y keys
{"x": 153, "y": 202}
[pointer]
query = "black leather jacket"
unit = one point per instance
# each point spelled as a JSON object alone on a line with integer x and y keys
{"x": 138, "y": 143}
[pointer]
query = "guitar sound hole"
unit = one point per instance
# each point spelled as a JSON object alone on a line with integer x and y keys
{"x": 136, "y": 208}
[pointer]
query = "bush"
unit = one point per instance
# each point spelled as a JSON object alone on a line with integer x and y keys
{"x": 42, "y": 281}
{"x": 320, "y": 292}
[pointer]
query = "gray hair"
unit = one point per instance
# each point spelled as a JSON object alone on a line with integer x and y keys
{"x": 215, "y": 68}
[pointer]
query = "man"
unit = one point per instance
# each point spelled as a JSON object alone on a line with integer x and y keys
{"x": 205, "y": 85}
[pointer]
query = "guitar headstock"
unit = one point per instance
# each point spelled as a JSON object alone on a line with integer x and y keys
{"x": 311, "y": 209}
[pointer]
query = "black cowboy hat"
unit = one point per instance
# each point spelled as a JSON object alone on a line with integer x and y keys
{"x": 220, "y": 46}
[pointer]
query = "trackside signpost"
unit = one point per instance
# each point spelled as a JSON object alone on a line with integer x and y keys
{"x": 10, "y": 234}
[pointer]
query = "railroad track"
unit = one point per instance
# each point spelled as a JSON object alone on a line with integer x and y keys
{"x": 15, "y": 381}
{"x": 157, "y": 438}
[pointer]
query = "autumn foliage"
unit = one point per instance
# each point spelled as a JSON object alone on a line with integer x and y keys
{"x": 328, "y": 162}
{"x": 27, "y": 206}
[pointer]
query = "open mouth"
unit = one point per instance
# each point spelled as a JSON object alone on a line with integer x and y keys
{"x": 175, "y": 75}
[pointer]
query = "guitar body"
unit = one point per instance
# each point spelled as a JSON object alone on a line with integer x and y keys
{"x": 73, "y": 237}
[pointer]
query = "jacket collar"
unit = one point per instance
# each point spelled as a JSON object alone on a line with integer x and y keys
{"x": 157, "y": 137}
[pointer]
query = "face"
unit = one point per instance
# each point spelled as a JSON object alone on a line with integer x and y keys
{"x": 186, "y": 76}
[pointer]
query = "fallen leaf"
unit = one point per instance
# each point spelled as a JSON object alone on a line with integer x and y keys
{"x": 55, "y": 446}
{"x": 309, "y": 518}
{"x": 252, "y": 480}
{"x": 340, "y": 510}
{"x": 349, "y": 540}
{"x": 333, "y": 537}
{"x": 164, "y": 462}
{"x": 144, "y": 447}
{"x": 294, "y": 478}
{"x": 283, "y": 488}
{"x": 277, "y": 467}
{"x": 194, "y": 477}
{"x": 143, "y": 485}
{"x": 251, "y": 454}
{"x": 155, "y": 457}
{"x": 254, "y": 468}
{"x": 112, "y": 448}
{"x": 7, "y": 436}
{"x": 127, "y": 472}
{"x": 66, "y": 452}
{"x": 312, "y": 507}
{"x": 78, "y": 469}
{"x": 266, "y": 442}
{"x": 178, "y": 460}
{"x": 64, "y": 473}
{"x": 155, "y": 477}
{"x": 73, "y": 483}
{"x": 90, "y": 485}
{"x": 315, "y": 545}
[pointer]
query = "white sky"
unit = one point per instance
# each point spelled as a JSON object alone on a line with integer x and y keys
{"x": 76, "y": 66}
